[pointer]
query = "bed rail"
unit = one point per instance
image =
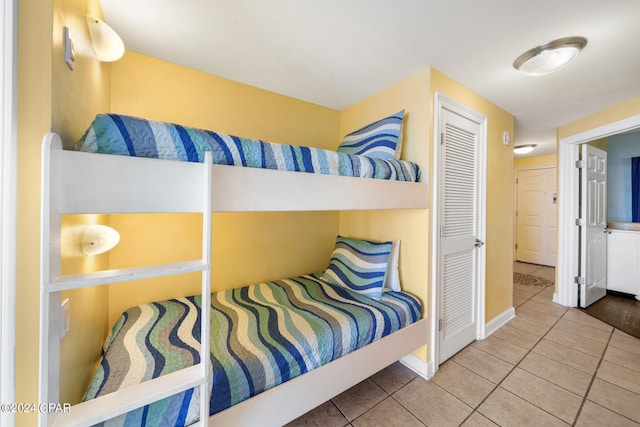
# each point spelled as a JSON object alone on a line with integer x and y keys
{"x": 102, "y": 183}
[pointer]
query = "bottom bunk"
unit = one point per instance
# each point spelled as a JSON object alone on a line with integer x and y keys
{"x": 264, "y": 337}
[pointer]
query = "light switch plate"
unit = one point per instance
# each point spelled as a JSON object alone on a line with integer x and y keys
{"x": 505, "y": 138}
{"x": 69, "y": 52}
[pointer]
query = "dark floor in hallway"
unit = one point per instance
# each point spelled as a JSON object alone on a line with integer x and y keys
{"x": 619, "y": 311}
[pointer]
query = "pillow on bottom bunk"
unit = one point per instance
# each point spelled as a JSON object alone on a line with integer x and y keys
{"x": 360, "y": 265}
{"x": 261, "y": 336}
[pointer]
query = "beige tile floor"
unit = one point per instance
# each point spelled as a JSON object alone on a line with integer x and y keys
{"x": 549, "y": 366}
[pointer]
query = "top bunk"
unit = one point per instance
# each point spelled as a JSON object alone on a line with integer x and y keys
{"x": 144, "y": 174}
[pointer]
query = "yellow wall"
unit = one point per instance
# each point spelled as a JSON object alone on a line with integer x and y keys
{"x": 499, "y": 219}
{"x": 77, "y": 95}
{"x": 81, "y": 347}
{"x": 411, "y": 227}
{"x": 155, "y": 89}
{"x": 35, "y": 19}
{"x": 526, "y": 162}
{"x": 613, "y": 114}
{"x": 48, "y": 100}
{"x": 248, "y": 247}
{"x": 602, "y": 143}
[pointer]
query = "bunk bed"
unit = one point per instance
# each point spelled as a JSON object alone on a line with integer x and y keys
{"x": 83, "y": 182}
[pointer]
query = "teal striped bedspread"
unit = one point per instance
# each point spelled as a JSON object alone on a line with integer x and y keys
{"x": 131, "y": 136}
{"x": 261, "y": 336}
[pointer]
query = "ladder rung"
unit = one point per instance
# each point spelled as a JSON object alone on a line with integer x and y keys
{"x": 124, "y": 275}
{"x": 111, "y": 405}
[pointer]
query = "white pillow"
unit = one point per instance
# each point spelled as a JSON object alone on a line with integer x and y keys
{"x": 392, "y": 277}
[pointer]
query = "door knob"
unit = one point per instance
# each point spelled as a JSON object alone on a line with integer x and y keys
{"x": 478, "y": 243}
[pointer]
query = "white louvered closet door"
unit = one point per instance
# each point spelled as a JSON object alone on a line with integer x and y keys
{"x": 459, "y": 236}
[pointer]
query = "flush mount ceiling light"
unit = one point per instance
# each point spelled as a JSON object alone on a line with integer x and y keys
{"x": 107, "y": 44}
{"x": 524, "y": 149}
{"x": 549, "y": 57}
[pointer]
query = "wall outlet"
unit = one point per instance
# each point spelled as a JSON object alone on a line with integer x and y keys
{"x": 65, "y": 318}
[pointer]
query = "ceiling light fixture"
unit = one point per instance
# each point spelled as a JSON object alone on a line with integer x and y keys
{"x": 549, "y": 57}
{"x": 524, "y": 149}
{"x": 107, "y": 44}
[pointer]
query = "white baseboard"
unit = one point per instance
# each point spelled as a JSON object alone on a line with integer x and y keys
{"x": 556, "y": 298}
{"x": 499, "y": 321}
{"x": 419, "y": 366}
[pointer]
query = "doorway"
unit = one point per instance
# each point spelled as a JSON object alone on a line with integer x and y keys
{"x": 458, "y": 255}
{"x": 536, "y": 215}
{"x": 568, "y": 209}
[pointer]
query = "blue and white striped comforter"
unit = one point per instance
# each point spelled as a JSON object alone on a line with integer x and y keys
{"x": 131, "y": 136}
{"x": 261, "y": 336}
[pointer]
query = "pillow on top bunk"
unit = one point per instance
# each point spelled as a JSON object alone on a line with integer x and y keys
{"x": 381, "y": 139}
{"x": 359, "y": 265}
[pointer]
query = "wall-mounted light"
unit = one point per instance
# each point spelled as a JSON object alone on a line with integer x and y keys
{"x": 549, "y": 57}
{"x": 107, "y": 44}
{"x": 524, "y": 149}
{"x": 98, "y": 239}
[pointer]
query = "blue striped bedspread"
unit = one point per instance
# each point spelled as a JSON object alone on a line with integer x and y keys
{"x": 261, "y": 336}
{"x": 131, "y": 136}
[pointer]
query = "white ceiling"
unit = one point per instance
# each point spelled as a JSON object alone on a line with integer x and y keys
{"x": 338, "y": 52}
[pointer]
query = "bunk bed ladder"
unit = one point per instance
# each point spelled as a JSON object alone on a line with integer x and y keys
{"x": 54, "y": 165}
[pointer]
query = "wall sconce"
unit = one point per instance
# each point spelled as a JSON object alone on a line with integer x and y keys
{"x": 98, "y": 239}
{"x": 107, "y": 44}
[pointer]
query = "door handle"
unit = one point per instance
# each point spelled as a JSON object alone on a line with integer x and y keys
{"x": 478, "y": 243}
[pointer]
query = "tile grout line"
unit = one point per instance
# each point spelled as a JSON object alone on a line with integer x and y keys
{"x": 593, "y": 378}
{"x": 475, "y": 409}
{"x": 400, "y": 403}
{"x": 513, "y": 369}
{"x": 389, "y": 395}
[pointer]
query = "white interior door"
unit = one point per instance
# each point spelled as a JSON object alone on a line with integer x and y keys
{"x": 461, "y": 214}
{"x": 593, "y": 239}
{"x": 536, "y": 216}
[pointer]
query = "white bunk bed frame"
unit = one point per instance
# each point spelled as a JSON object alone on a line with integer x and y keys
{"x": 74, "y": 183}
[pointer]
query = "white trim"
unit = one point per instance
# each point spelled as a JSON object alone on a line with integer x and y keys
{"x": 419, "y": 366}
{"x": 8, "y": 162}
{"x": 434, "y": 305}
{"x": 533, "y": 167}
{"x": 568, "y": 187}
{"x": 499, "y": 321}
{"x": 82, "y": 177}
